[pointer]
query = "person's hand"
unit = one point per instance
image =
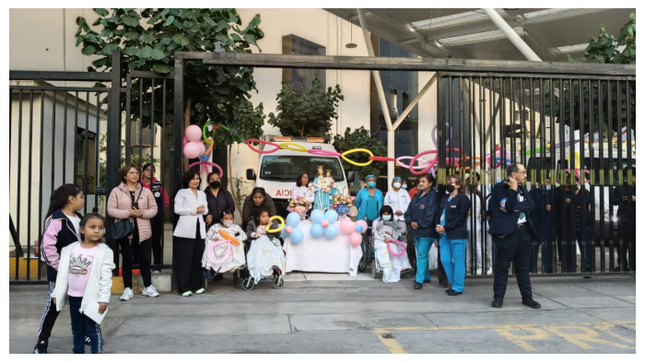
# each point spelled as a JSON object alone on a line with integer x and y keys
{"x": 54, "y": 301}
{"x": 548, "y": 207}
{"x": 625, "y": 198}
{"x": 387, "y": 239}
{"x": 102, "y": 307}
{"x": 414, "y": 225}
{"x": 36, "y": 249}
{"x": 209, "y": 219}
{"x": 568, "y": 200}
{"x": 440, "y": 229}
{"x": 135, "y": 213}
{"x": 200, "y": 209}
{"x": 633, "y": 198}
{"x": 399, "y": 213}
{"x": 254, "y": 235}
{"x": 512, "y": 183}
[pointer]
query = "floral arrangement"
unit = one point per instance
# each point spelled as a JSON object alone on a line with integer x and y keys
{"x": 342, "y": 203}
{"x": 299, "y": 205}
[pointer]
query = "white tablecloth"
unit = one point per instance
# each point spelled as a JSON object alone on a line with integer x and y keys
{"x": 322, "y": 254}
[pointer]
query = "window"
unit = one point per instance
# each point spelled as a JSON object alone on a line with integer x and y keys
{"x": 300, "y": 79}
{"x": 287, "y": 167}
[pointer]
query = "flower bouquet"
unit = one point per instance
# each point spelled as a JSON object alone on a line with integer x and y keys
{"x": 342, "y": 204}
{"x": 300, "y": 206}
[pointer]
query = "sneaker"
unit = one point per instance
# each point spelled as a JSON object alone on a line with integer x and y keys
{"x": 489, "y": 271}
{"x": 479, "y": 271}
{"x": 127, "y": 294}
{"x": 497, "y": 303}
{"x": 150, "y": 291}
{"x": 187, "y": 294}
{"x": 418, "y": 285}
{"x": 156, "y": 271}
{"x": 532, "y": 304}
{"x": 200, "y": 291}
{"x": 41, "y": 347}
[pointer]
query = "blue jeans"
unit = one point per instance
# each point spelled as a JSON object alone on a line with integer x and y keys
{"x": 453, "y": 258}
{"x": 81, "y": 326}
{"x": 422, "y": 246}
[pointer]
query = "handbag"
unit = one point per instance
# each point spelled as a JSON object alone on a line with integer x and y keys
{"x": 125, "y": 227}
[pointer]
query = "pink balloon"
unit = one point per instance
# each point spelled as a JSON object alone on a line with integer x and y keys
{"x": 355, "y": 239}
{"x": 346, "y": 226}
{"x": 364, "y": 224}
{"x": 193, "y": 133}
{"x": 325, "y": 223}
{"x": 191, "y": 150}
{"x": 202, "y": 148}
{"x": 288, "y": 229}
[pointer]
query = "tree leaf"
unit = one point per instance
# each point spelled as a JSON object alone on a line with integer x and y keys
{"x": 146, "y": 52}
{"x": 131, "y": 35}
{"x": 169, "y": 21}
{"x": 88, "y": 50}
{"x": 162, "y": 68}
{"x": 180, "y": 39}
{"x": 130, "y": 21}
{"x": 101, "y": 12}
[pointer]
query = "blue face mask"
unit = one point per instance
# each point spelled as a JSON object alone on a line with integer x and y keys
{"x": 548, "y": 187}
{"x": 405, "y": 186}
{"x": 371, "y": 185}
{"x": 387, "y": 217}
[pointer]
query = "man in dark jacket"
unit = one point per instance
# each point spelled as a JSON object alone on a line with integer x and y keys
{"x": 542, "y": 196}
{"x": 625, "y": 198}
{"x": 512, "y": 232}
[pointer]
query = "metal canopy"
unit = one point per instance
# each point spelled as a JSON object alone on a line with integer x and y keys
{"x": 470, "y": 34}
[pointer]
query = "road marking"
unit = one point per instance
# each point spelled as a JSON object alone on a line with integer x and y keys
{"x": 584, "y": 334}
{"x": 388, "y": 340}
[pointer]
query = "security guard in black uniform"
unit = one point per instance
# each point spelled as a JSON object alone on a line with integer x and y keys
{"x": 512, "y": 233}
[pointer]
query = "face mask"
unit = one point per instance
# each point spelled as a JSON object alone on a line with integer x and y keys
{"x": 227, "y": 223}
{"x": 450, "y": 188}
{"x": 548, "y": 187}
{"x": 371, "y": 185}
{"x": 397, "y": 185}
{"x": 405, "y": 186}
{"x": 386, "y": 217}
{"x": 215, "y": 184}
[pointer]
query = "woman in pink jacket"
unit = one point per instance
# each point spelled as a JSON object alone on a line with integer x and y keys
{"x": 131, "y": 200}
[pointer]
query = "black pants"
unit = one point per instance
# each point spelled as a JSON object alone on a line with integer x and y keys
{"x": 441, "y": 273}
{"x": 157, "y": 250}
{"x": 48, "y": 318}
{"x": 142, "y": 251}
{"x": 514, "y": 247}
{"x": 188, "y": 261}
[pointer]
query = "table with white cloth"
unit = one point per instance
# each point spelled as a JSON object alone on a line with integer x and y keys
{"x": 322, "y": 254}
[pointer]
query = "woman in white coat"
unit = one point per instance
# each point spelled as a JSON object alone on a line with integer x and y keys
{"x": 399, "y": 200}
{"x": 191, "y": 206}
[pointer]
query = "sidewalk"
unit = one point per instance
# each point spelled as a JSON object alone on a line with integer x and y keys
{"x": 318, "y": 313}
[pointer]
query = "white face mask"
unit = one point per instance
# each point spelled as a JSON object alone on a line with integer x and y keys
{"x": 227, "y": 223}
{"x": 397, "y": 185}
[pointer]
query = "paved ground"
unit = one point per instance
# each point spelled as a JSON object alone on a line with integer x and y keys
{"x": 317, "y": 313}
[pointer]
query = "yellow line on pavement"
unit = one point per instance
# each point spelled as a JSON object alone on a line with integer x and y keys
{"x": 388, "y": 340}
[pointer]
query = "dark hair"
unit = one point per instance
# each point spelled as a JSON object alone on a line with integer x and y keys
{"x": 126, "y": 168}
{"x": 152, "y": 167}
{"x": 512, "y": 168}
{"x": 302, "y": 173}
{"x": 477, "y": 175}
{"x": 188, "y": 176}
{"x": 257, "y": 190}
{"x": 226, "y": 212}
{"x": 429, "y": 178}
{"x": 214, "y": 172}
{"x": 385, "y": 208}
{"x": 60, "y": 197}
{"x": 86, "y": 218}
{"x": 457, "y": 180}
{"x": 259, "y": 213}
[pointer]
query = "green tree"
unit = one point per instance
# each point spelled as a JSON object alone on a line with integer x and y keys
{"x": 308, "y": 115}
{"x": 602, "y": 49}
{"x": 360, "y": 138}
{"x": 149, "y": 38}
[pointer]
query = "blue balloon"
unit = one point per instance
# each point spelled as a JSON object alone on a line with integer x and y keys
{"x": 293, "y": 219}
{"x": 316, "y": 230}
{"x": 296, "y": 236}
{"x": 317, "y": 216}
{"x": 283, "y": 234}
{"x": 359, "y": 228}
{"x": 331, "y": 216}
{"x": 331, "y": 232}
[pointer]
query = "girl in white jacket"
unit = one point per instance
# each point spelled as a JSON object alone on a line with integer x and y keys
{"x": 229, "y": 258}
{"x": 85, "y": 276}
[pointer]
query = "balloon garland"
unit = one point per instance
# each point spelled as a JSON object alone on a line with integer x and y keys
{"x": 194, "y": 141}
{"x": 389, "y": 249}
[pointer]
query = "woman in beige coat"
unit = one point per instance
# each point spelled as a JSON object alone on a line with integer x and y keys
{"x": 131, "y": 200}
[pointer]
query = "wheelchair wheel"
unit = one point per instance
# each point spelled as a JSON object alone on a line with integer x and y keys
{"x": 248, "y": 284}
{"x": 278, "y": 282}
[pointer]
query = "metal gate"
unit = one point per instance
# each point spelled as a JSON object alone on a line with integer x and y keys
{"x": 79, "y": 134}
{"x": 576, "y": 132}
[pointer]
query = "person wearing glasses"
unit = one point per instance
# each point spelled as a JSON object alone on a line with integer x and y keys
{"x": 513, "y": 234}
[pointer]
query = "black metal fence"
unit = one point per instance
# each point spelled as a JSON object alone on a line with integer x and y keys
{"x": 575, "y": 134}
{"x": 66, "y": 128}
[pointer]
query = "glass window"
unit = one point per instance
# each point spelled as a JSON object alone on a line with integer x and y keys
{"x": 287, "y": 167}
